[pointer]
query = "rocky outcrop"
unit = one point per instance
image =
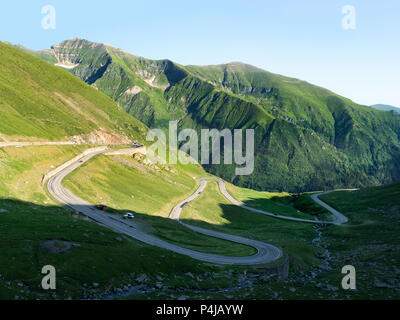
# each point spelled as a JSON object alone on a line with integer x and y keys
{"x": 133, "y": 91}
{"x": 87, "y": 60}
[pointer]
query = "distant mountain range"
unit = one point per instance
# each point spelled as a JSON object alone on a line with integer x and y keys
{"x": 307, "y": 138}
{"x": 385, "y": 107}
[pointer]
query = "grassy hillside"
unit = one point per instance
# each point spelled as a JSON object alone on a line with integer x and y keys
{"x": 375, "y": 202}
{"x": 22, "y": 170}
{"x": 371, "y": 242}
{"x": 42, "y": 102}
{"x": 100, "y": 262}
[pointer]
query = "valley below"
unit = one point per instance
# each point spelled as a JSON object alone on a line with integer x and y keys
{"x": 313, "y": 252}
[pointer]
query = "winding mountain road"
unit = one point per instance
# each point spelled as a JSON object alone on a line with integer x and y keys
{"x": 338, "y": 217}
{"x": 266, "y": 253}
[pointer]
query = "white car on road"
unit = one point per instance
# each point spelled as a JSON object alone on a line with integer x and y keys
{"x": 129, "y": 215}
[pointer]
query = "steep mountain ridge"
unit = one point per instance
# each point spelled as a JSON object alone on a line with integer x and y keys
{"x": 137, "y": 84}
{"x": 307, "y": 137}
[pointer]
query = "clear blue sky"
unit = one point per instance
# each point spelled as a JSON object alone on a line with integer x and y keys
{"x": 299, "y": 38}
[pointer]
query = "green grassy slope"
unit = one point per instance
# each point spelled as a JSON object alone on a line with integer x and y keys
{"x": 100, "y": 262}
{"x": 279, "y": 203}
{"x": 371, "y": 242}
{"x": 22, "y": 170}
{"x": 368, "y": 203}
{"x": 39, "y": 101}
{"x": 46, "y": 55}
